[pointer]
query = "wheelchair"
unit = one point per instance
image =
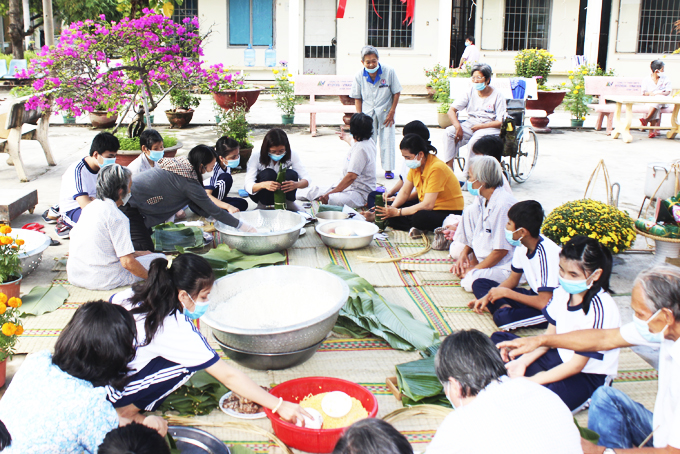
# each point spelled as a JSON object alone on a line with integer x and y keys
{"x": 519, "y": 159}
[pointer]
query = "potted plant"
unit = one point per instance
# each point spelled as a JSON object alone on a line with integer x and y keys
{"x": 284, "y": 92}
{"x": 10, "y": 265}
{"x": 434, "y": 75}
{"x": 10, "y": 330}
{"x": 183, "y": 103}
{"x": 103, "y": 117}
{"x": 537, "y": 63}
{"x": 442, "y": 114}
{"x": 233, "y": 123}
{"x": 230, "y": 89}
{"x": 576, "y": 101}
{"x": 130, "y": 148}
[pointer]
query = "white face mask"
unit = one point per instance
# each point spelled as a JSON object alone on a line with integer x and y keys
{"x": 126, "y": 198}
{"x": 446, "y": 393}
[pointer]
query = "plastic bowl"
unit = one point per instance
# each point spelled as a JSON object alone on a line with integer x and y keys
{"x": 364, "y": 234}
{"x": 316, "y": 440}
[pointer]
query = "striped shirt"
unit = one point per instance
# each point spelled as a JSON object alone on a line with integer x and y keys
{"x": 602, "y": 314}
{"x": 79, "y": 179}
{"x": 177, "y": 351}
{"x": 541, "y": 268}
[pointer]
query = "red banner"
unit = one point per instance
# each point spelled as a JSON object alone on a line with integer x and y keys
{"x": 341, "y": 9}
{"x": 410, "y": 8}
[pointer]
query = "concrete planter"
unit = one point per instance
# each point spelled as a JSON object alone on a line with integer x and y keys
{"x": 125, "y": 157}
{"x": 443, "y": 120}
{"x": 101, "y": 120}
{"x": 548, "y": 101}
{"x": 180, "y": 119}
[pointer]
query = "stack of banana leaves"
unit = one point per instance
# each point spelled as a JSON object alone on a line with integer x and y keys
{"x": 225, "y": 260}
{"x": 198, "y": 396}
{"x": 419, "y": 384}
{"x": 366, "y": 312}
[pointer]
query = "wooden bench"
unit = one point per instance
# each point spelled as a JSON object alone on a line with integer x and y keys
{"x": 17, "y": 124}
{"x": 319, "y": 85}
{"x": 603, "y": 86}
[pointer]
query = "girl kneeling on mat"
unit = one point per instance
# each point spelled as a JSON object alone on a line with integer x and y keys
{"x": 582, "y": 301}
{"x": 170, "y": 349}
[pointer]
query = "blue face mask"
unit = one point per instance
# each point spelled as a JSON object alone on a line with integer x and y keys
{"x": 276, "y": 157}
{"x": 509, "y": 239}
{"x": 107, "y": 162}
{"x": 479, "y": 86}
{"x": 372, "y": 71}
{"x": 412, "y": 163}
{"x": 574, "y": 287}
{"x": 232, "y": 164}
{"x": 471, "y": 190}
{"x": 156, "y": 156}
{"x": 199, "y": 309}
{"x": 643, "y": 329}
{"x": 467, "y": 44}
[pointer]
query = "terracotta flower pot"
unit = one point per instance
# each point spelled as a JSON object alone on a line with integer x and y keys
{"x": 245, "y": 154}
{"x": 178, "y": 120}
{"x": 346, "y": 100}
{"x": 227, "y": 99}
{"x": 125, "y": 157}
{"x": 11, "y": 288}
{"x": 3, "y": 372}
{"x": 548, "y": 101}
{"x": 430, "y": 91}
{"x": 100, "y": 120}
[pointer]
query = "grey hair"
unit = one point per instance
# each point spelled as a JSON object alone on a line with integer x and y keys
{"x": 112, "y": 178}
{"x": 368, "y": 50}
{"x": 661, "y": 287}
{"x": 487, "y": 170}
{"x": 470, "y": 358}
{"x": 484, "y": 69}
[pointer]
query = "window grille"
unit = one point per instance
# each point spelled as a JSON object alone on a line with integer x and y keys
{"x": 188, "y": 8}
{"x": 389, "y": 30}
{"x": 527, "y": 24}
{"x": 657, "y": 34}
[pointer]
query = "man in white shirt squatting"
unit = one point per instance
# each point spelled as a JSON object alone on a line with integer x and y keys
{"x": 622, "y": 423}
{"x": 376, "y": 91}
{"x": 495, "y": 414}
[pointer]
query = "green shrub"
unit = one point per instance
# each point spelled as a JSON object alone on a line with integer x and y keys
{"x": 127, "y": 143}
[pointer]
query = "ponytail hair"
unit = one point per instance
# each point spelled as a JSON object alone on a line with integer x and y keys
{"x": 157, "y": 297}
{"x": 418, "y": 127}
{"x": 591, "y": 255}
{"x": 200, "y": 155}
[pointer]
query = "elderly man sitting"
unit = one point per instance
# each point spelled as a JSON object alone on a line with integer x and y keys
{"x": 495, "y": 414}
{"x": 622, "y": 423}
{"x": 101, "y": 255}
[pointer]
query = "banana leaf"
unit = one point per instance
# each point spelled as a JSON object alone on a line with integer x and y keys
{"x": 240, "y": 449}
{"x": 198, "y": 396}
{"x": 587, "y": 434}
{"x": 418, "y": 383}
{"x": 225, "y": 260}
{"x": 366, "y": 310}
{"x": 43, "y": 299}
{"x": 168, "y": 236}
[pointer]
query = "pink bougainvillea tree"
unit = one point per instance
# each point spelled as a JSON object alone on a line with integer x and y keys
{"x": 103, "y": 65}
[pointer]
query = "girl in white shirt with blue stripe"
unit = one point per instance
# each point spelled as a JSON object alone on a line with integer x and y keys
{"x": 582, "y": 301}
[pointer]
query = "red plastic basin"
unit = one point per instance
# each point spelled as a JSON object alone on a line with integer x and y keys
{"x": 316, "y": 440}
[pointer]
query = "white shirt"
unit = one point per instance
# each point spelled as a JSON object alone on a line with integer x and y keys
{"x": 667, "y": 406}
{"x": 516, "y": 416}
{"x": 602, "y": 314}
{"x": 361, "y": 161}
{"x": 656, "y": 88}
{"x": 139, "y": 165}
{"x": 79, "y": 179}
{"x": 98, "y": 240}
{"x": 255, "y": 167}
{"x": 177, "y": 348}
{"x": 470, "y": 54}
{"x": 491, "y": 108}
{"x": 542, "y": 268}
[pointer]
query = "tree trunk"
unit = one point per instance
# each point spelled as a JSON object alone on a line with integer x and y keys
{"x": 16, "y": 29}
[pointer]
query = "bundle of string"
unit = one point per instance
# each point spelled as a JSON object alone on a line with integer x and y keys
{"x": 356, "y": 413}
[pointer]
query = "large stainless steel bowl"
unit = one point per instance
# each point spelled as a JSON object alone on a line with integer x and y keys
{"x": 268, "y": 361}
{"x": 364, "y": 234}
{"x": 30, "y": 254}
{"x": 281, "y": 230}
{"x": 330, "y": 294}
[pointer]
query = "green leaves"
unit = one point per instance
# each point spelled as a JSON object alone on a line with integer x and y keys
{"x": 169, "y": 236}
{"x": 225, "y": 260}
{"x": 367, "y": 311}
{"x": 43, "y": 299}
{"x": 198, "y": 396}
{"x": 418, "y": 383}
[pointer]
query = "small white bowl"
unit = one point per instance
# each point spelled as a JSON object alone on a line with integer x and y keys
{"x": 363, "y": 230}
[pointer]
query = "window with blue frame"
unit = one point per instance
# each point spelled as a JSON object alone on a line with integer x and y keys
{"x": 251, "y": 22}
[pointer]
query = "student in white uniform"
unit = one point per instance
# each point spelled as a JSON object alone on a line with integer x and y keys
{"x": 79, "y": 182}
{"x": 658, "y": 84}
{"x": 263, "y": 169}
{"x": 582, "y": 301}
{"x": 227, "y": 153}
{"x": 376, "y": 90}
{"x": 101, "y": 254}
{"x": 536, "y": 258}
{"x": 493, "y": 414}
{"x": 486, "y": 109}
{"x": 487, "y": 253}
{"x": 358, "y": 178}
{"x": 622, "y": 423}
{"x": 151, "y": 144}
{"x": 470, "y": 54}
{"x": 170, "y": 349}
